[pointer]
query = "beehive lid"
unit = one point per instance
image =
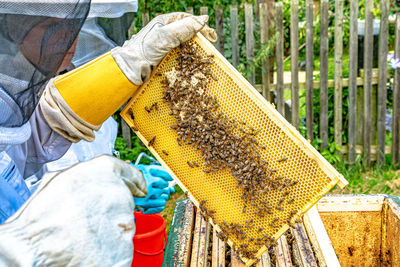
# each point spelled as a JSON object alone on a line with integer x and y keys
{"x": 239, "y": 100}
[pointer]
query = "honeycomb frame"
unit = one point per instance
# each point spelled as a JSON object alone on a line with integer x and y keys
{"x": 238, "y": 99}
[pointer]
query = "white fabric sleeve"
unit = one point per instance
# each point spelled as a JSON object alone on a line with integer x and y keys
{"x": 44, "y": 145}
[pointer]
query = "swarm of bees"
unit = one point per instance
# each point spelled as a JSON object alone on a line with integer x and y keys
{"x": 224, "y": 142}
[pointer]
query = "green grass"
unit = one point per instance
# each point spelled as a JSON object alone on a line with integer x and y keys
{"x": 374, "y": 181}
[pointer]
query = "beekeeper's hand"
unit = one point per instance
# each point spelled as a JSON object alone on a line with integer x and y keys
{"x": 157, "y": 187}
{"x": 76, "y": 103}
{"x": 82, "y": 216}
{"x": 142, "y": 52}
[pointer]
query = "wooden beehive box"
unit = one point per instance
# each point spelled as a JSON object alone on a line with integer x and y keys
{"x": 193, "y": 242}
{"x": 340, "y": 230}
{"x": 364, "y": 229}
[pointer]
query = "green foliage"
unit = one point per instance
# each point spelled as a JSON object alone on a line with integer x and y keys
{"x": 131, "y": 154}
{"x": 331, "y": 153}
{"x": 266, "y": 51}
{"x": 165, "y": 6}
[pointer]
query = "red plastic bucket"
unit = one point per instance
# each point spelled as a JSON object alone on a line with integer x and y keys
{"x": 149, "y": 241}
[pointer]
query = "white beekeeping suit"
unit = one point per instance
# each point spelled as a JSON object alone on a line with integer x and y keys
{"x": 84, "y": 215}
{"x": 92, "y": 42}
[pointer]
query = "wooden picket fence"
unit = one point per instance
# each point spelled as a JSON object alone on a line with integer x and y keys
{"x": 367, "y": 109}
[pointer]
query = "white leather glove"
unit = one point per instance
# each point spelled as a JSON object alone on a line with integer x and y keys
{"x": 142, "y": 52}
{"x": 82, "y": 216}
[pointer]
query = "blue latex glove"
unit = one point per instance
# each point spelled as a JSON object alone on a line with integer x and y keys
{"x": 158, "y": 189}
{"x": 171, "y": 189}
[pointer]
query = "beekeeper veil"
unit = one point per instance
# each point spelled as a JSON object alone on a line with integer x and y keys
{"x": 34, "y": 39}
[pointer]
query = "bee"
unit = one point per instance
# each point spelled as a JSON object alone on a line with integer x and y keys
{"x": 165, "y": 152}
{"x": 260, "y": 230}
{"x": 244, "y": 209}
{"x": 190, "y": 165}
{"x": 298, "y": 221}
{"x": 134, "y": 128}
{"x": 147, "y": 109}
{"x": 130, "y": 112}
{"x": 279, "y": 208}
{"x": 151, "y": 142}
{"x": 186, "y": 194}
{"x": 195, "y": 164}
{"x": 282, "y": 160}
{"x": 281, "y": 201}
{"x": 213, "y": 77}
{"x": 293, "y": 212}
{"x": 290, "y": 201}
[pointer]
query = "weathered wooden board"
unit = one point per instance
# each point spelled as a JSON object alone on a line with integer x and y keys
{"x": 304, "y": 255}
{"x": 383, "y": 50}
{"x": 368, "y": 50}
{"x": 279, "y": 59}
{"x": 294, "y": 63}
{"x": 200, "y": 242}
{"x": 218, "y": 251}
{"x": 309, "y": 69}
{"x": 178, "y": 250}
{"x": 338, "y": 71}
{"x": 235, "y": 35}
{"x": 324, "y": 44}
{"x": 353, "y": 49}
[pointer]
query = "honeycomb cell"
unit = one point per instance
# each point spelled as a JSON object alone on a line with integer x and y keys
{"x": 240, "y": 101}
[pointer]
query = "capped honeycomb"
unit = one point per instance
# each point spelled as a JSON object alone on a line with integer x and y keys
{"x": 286, "y": 152}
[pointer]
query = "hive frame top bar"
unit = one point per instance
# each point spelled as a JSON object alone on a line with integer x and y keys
{"x": 288, "y": 129}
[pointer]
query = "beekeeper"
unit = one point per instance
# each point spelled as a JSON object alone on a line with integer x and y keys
{"x": 93, "y": 42}
{"x": 83, "y": 215}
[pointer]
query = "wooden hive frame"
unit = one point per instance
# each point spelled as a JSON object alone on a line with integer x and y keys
{"x": 186, "y": 177}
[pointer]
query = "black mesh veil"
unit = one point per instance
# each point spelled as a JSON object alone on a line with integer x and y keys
{"x": 35, "y": 37}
